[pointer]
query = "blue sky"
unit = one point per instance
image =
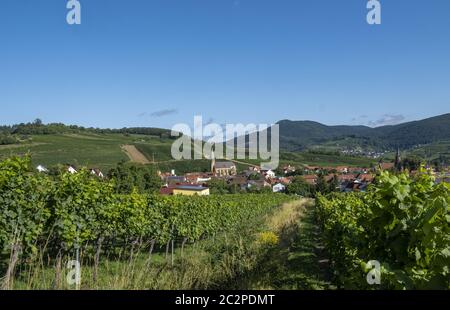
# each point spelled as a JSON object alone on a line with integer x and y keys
{"x": 160, "y": 62}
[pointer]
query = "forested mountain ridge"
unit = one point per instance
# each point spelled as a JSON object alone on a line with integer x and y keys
{"x": 297, "y": 135}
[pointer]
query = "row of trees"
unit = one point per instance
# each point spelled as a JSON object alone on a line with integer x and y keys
{"x": 221, "y": 187}
{"x": 37, "y": 127}
{"x": 126, "y": 177}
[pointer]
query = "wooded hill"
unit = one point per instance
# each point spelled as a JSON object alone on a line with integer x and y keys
{"x": 298, "y": 135}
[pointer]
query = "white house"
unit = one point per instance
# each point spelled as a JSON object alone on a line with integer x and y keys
{"x": 342, "y": 169}
{"x": 203, "y": 180}
{"x": 71, "y": 170}
{"x": 277, "y": 188}
{"x": 41, "y": 169}
{"x": 254, "y": 169}
{"x": 269, "y": 174}
{"x": 97, "y": 172}
{"x": 288, "y": 169}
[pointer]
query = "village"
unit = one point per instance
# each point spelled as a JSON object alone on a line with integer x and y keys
{"x": 349, "y": 179}
{"x": 341, "y": 178}
{"x": 255, "y": 179}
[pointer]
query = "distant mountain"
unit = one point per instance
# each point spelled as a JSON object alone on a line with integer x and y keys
{"x": 425, "y": 131}
{"x": 299, "y": 135}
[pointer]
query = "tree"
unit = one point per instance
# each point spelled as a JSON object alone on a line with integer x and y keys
{"x": 334, "y": 184}
{"x": 152, "y": 182}
{"x": 255, "y": 189}
{"x": 322, "y": 185}
{"x": 255, "y": 177}
{"x": 300, "y": 187}
{"x": 279, "y": 171}
{"x": 294, "y": 173}
{"x": 129, "y": 177}
{"x": 218, "y": 186}
{"x": 411, "y": 163}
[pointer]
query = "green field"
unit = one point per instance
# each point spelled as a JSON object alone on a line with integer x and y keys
{"x": 433, "y": 151}
{"x": 104, "y": 151}
{"x": 157, "y": 150}
{"x": 429, "y": 152}
{"x": 325, "y": 160}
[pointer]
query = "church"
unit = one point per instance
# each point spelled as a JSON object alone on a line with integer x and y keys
{"x": 222, "y": 168}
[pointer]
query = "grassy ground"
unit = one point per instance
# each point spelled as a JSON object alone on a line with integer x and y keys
{"x": 298, "y": 261}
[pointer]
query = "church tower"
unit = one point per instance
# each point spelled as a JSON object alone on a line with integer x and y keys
{"x": 213, "y": 162}
{"x": 398, "y": 159}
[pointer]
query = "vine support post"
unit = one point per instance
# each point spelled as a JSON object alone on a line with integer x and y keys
{"x": 182, "y": 246}
{"x": 173, "y": 242}
{"x": 152, "y": 246}
{"x": 167, "y": 249}
{"x": 97, "y": 258}
{"x": 58, "y": 267}
{"x": 77, "y": 255}
{"x": 14, "y": 257}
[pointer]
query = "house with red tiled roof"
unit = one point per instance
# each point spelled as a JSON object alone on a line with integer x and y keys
{"x": 329, "y": 177}
{"x": 342, "y": 169}
{"x": 310, "y": 179}
{"x": 166, "y": 191}
{"x": 386, "y": 166}
{"x": 258, "y": 184}
{"x": 287, "y": 169}
{"x": 197, "y": 178}
{"x": 346, "y": 177}
{"x": 365, "y": 177}
{"x": 239, "y": 180}
{"x": 285, "y": 180}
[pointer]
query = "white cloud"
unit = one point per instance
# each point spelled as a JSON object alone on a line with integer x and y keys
{"x": 387, "y": 119}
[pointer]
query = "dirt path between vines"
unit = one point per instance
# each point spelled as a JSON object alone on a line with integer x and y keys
{"x": 299, "y": 261}
{"x": 135, "y": 155}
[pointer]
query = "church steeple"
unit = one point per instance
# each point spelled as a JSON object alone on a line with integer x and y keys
{"x": 213, "y": 162}
{"x": 398, "y": 159}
